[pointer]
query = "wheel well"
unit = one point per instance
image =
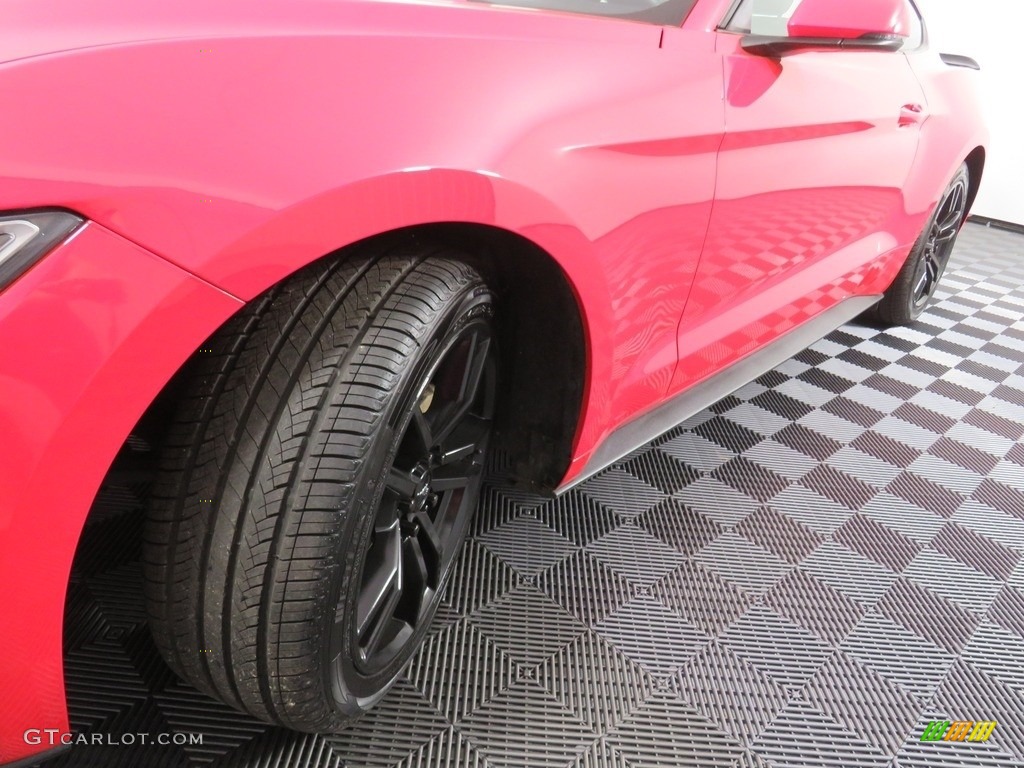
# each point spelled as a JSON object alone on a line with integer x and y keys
{"x": 976, "y": 168}
{"x": 541, "y": 342}
{"x": 542, "y": 346}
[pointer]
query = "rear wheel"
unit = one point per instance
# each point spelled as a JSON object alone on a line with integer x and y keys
{"x": 915, "y": 286}
{"x": 318, "y": 482}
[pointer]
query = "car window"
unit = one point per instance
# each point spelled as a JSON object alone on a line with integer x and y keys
{"x": 667, "y": 12}
{"x": 738, "y": 20}
{"x": 739, "y": 17}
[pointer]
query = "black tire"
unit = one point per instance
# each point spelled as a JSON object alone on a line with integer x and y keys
{"x": 305, "y": 438}
{"x": 915, "y": 286}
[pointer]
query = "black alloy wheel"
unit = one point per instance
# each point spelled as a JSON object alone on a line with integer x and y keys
{"x": 430, "y": 492}
{"x": 939, "y": 242}
{"x": 916, "y": 285}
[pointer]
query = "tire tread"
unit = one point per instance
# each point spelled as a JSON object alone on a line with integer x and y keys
{"x": 263, "y": 460}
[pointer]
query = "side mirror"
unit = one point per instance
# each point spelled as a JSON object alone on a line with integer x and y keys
{"x": 781, "y": 27}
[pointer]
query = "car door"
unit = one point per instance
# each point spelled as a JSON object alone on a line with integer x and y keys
{"x": 809, "y": 198}
{"x": 629, "y": 154}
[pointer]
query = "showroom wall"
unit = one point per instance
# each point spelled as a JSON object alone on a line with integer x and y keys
{"x": 991, "y": 32}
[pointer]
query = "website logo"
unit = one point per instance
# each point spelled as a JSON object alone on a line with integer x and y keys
{"x": 959, "y": 730}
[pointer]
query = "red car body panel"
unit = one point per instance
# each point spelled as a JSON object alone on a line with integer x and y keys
{"x": 215, "y": 148}
{"x": 804, "y": 246}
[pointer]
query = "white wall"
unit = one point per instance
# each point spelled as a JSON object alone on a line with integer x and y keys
{"x": 991, "y": 31}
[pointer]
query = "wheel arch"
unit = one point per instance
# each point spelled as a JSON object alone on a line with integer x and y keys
{"x": 543, "y": 342}
{"x": 976, "y": 168}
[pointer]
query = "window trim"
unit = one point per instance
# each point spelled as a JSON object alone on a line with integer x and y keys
{"x": 924, "y": 44}
{"x": 734, "y": 8}
{"x": 635, "y": 17}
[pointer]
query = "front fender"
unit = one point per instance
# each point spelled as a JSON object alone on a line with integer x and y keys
{"x": 85, "y": 348}
{"x": 263, "y": 153}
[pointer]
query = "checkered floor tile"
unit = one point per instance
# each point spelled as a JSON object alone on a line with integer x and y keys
{"x": 806, "y": 574}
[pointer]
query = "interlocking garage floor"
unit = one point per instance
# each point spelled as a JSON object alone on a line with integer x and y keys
{"x": 805, "y": 574}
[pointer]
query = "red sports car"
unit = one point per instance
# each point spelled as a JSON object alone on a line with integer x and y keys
{"x": 323, "y": 256}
